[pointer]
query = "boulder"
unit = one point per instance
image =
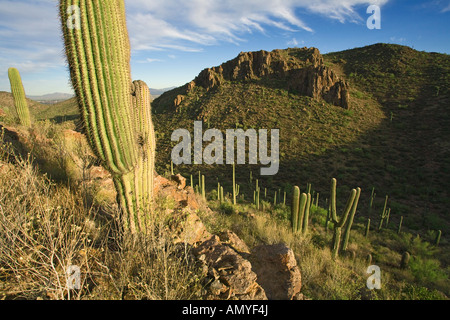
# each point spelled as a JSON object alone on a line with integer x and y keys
{"x": 277, "y": 271}
{"x": 231, "y": 276}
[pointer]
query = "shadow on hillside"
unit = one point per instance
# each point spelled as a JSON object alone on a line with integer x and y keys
{"x": 397, "y": 159}
{"x": 61, "y": 119}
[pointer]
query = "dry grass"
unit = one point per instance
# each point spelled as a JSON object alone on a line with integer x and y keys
{"x": 43, "y": 231}
{"x": 46, "y": 227}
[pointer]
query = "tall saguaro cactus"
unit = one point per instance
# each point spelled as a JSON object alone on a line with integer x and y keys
{"x": 116, "y": 111}
{"x": 350, "y": 219}
{"x": 20, "y": 100}
{"x": 339, "y": 222}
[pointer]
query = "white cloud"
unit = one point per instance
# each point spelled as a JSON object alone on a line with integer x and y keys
{"x": 188, "y": 25}
{"x": 294, "y": 42}
{"x": 397, "y": 39}
{"x": 446, "y": 9}
{"x": 30, "y": 36}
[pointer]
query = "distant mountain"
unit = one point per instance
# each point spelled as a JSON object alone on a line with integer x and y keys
{"x": 158, "y": 92}
{"x": 57, "y": 96}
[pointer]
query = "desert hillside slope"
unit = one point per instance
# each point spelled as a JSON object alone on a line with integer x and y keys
{"x": 376, "y": 117}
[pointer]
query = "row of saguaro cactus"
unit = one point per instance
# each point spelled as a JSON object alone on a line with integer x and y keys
{"x": 20, "y": 101}
{"x": 338, "y": 223}
{"x": 300, "y": 207}
{"x": 116, "y": 112}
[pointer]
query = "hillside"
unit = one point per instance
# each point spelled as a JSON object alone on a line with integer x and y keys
{"x": 373, "y": 117}
{"x": 7, "y": 105}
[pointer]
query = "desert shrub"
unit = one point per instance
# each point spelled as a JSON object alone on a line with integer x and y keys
{"x": 44, "y": 229}
{"x": 426, "y": 270}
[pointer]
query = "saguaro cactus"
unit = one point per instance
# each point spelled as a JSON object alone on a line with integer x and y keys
{"x": 350, "y": 219}
{"x": 339, "y": 223}
{"x": 383, "y": 214}
{"x": 115, "y": 111}
{"x": 294, "y": 208}
{"x": 20, "y": 100}
{"x": 306, "y": 214}
{"x": 234, "y": 183}
{"x": 301, "y": 211}
{"x": 438, "y": 238}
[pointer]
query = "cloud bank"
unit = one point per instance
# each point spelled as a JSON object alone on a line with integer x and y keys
{"x": 189, "y": 25}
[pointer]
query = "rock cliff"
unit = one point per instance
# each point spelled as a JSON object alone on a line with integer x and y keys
{"x": 300, "y": 70}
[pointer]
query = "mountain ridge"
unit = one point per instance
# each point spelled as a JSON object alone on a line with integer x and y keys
{"x": 384, "y": 139}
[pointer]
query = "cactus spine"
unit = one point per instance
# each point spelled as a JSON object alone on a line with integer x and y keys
{"x": 116, "y": 112}
{"x": 339, "y": 223}
{"x": 18, "y": 93}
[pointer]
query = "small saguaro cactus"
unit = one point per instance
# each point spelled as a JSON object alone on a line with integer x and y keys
{"x": 400, "y": 225}
{"x": 203, "y": 188}
{"x": 438, "y": 238}
{"x": 218, "y": 191}
{"x": 20, "y": 100}
{"x": 294, "y": 208}
{"x": 306, "y": 215}
{"x": 234, "y": 184}
{"x": 383, "y": 215}
{"x": 301, "y": 211}
{"x": 116, "y": 112}
{"x": 366, "y": 233}
{"x": 339, "y": 223}
{"x": 405, "y": 260}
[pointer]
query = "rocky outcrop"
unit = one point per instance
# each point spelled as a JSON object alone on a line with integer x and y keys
{"x": 302, "y": 70}
{"x": 277, "y": 271}
{"x": 231, "y": 276}
{"x": 319, "y": 82}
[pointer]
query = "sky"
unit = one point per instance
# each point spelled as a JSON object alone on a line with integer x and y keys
{"x": 173, "y": 40}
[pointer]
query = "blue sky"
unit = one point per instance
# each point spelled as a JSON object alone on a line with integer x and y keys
{"x": 173, "y": 40}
